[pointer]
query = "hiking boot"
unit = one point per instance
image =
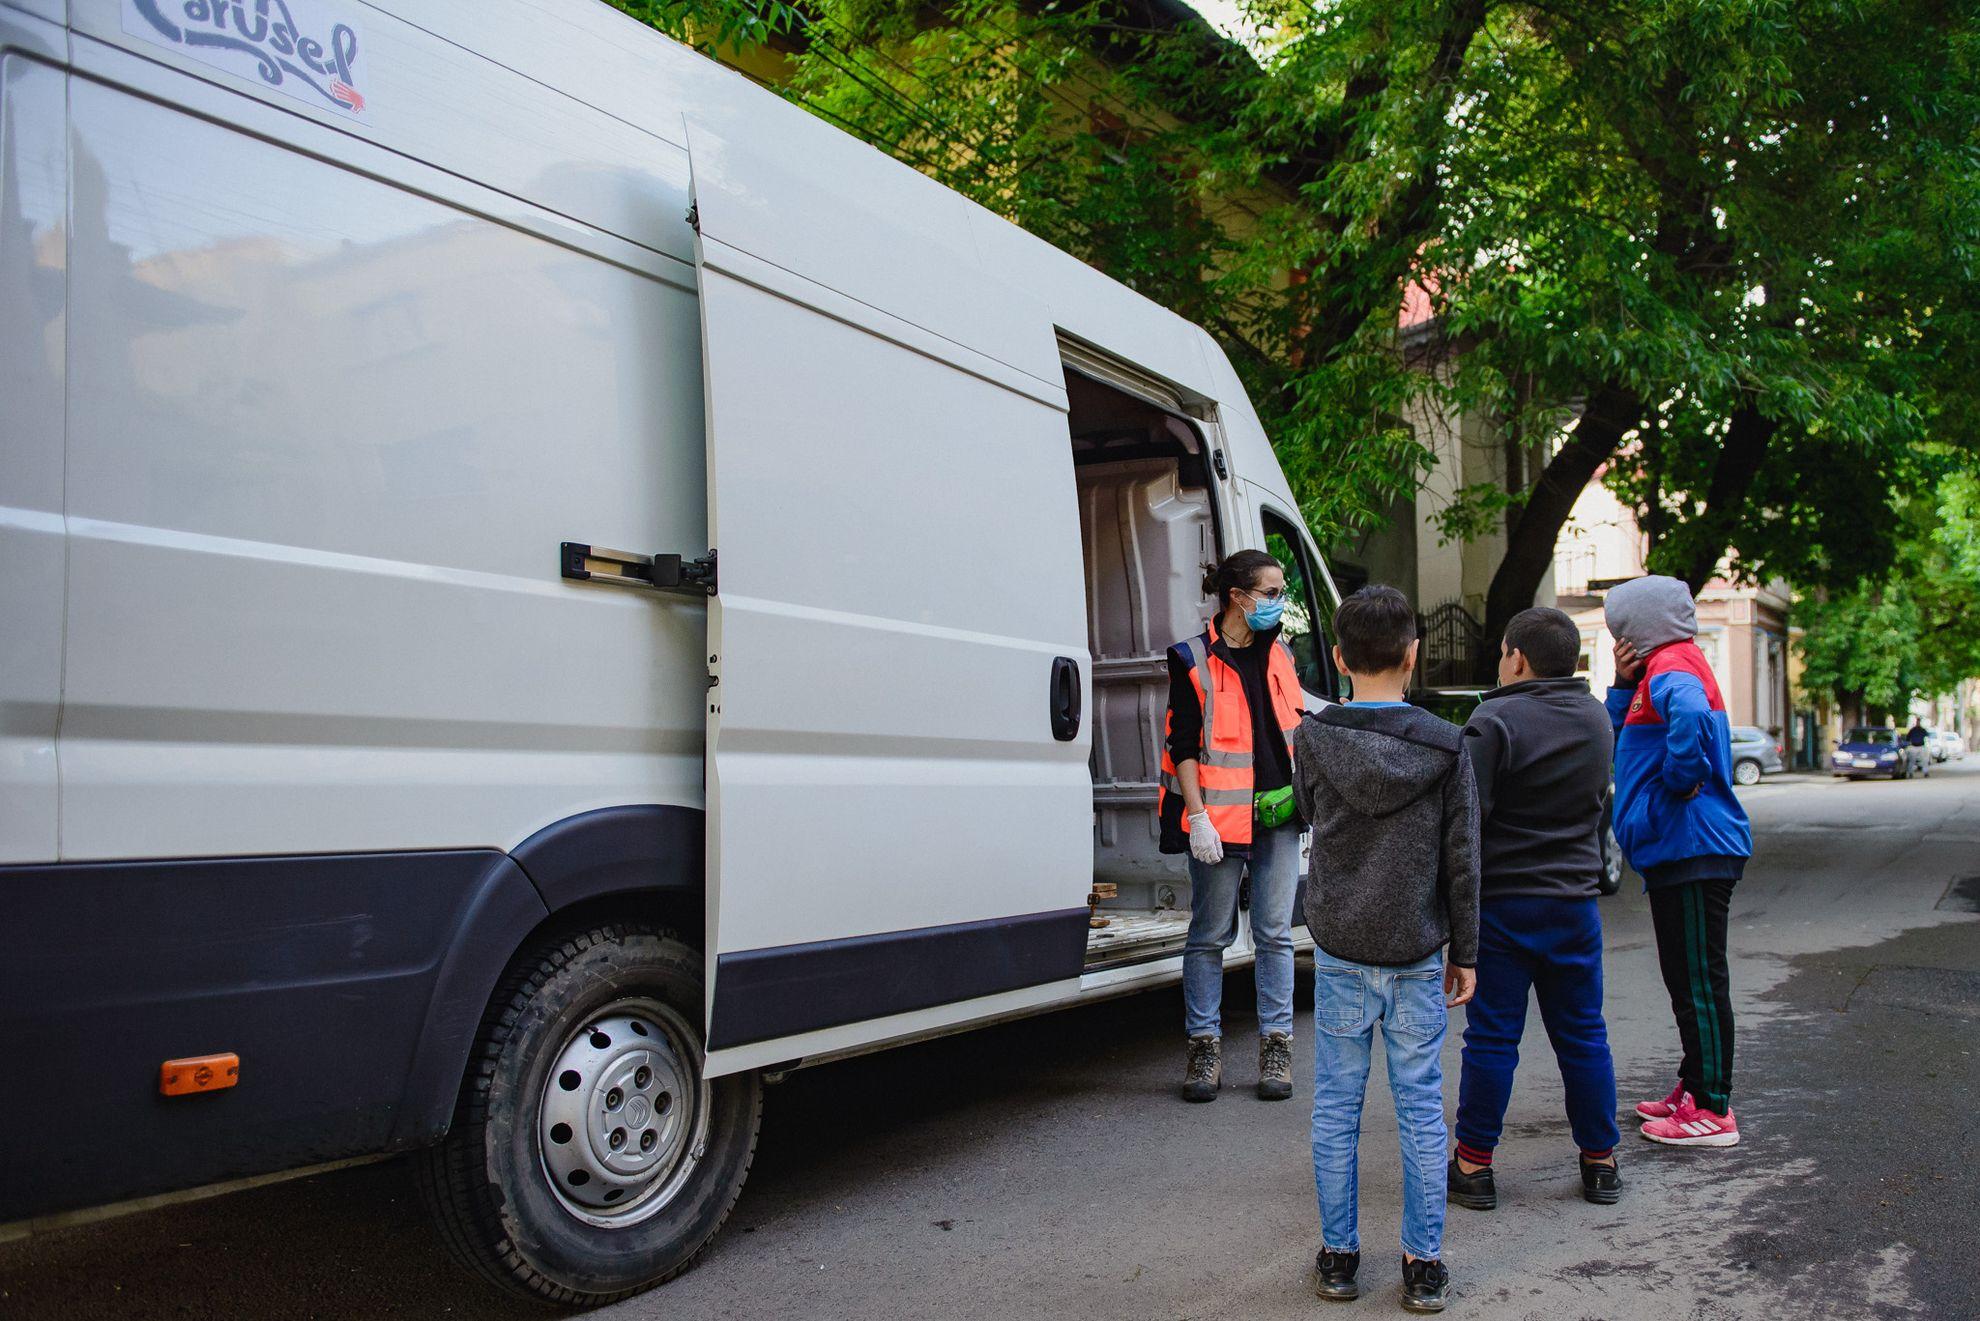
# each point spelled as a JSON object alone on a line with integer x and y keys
{"x": 1665, "y": 1108}
{"x": 1475, "y": 1192}
{"x": 1690, "y": 1126}
{"x": 1333, "y": 1274}
{"x": 1425, "y": 1284}
{"x": 1274, "y": 1066}
{"x": 1203, "y": 1075}
{"x": 1601, "y": 1181}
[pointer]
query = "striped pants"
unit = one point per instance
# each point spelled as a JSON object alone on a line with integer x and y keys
{"x": 1691, "y": 949}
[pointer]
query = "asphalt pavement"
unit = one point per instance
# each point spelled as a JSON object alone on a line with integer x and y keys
{"x": 1046, "y": 1168}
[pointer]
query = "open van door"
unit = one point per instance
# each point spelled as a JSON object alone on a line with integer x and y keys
{"x": 899, "y": 810}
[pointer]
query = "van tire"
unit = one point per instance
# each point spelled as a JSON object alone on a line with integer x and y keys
{"x": 488, "y": 1184}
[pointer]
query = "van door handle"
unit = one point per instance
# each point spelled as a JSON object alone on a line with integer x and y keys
{"x": 584, "y": 562}
{"x": 1065, "y": 699}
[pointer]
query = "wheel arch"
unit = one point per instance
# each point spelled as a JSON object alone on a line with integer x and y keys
{"x": 641, "y": 861}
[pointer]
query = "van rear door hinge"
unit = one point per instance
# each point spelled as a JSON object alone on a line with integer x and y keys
{"x": 583, "y": 562}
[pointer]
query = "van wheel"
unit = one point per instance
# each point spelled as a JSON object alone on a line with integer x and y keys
{"x": 589, "y": 1158}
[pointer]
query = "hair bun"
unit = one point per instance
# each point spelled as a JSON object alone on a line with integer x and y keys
{"x": 1210, "y": 580}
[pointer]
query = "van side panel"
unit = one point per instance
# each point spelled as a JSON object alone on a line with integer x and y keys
{"x": 331, "y": 977}
{"x": 325, "y": 437}
{"x": 33, "y": 188}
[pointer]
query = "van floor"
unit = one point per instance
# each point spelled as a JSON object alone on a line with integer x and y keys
{"x": 1131, "y": 935}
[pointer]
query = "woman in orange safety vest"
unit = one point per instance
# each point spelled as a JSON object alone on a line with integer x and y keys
{"x": 1226, "y": 800}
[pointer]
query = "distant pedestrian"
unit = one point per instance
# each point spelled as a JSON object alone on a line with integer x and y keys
{"x": 1540, "y": 747}
{"x": 1916, "y": 735}
{"x": 1226, "y": 800}
{"x": 1681, "y": 826}
{"x": 1393, "y": 878}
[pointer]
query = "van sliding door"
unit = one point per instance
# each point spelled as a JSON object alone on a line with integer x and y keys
{"x": 899, "y": 811}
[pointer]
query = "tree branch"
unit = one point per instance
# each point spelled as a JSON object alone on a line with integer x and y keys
{"x": 1748, "y": 434}
{"x": 1609, "y": 414}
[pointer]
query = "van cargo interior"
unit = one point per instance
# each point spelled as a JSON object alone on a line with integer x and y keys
{"x": 1147, "y": 529}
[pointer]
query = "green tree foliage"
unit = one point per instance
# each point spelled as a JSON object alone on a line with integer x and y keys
{"x": 1720, "y": 249}
{"x": 1913, "y": 629}
{"x": 1742, "y": 250}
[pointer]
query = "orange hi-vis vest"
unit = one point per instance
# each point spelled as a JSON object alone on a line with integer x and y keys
{"x": 1223, "y": 768}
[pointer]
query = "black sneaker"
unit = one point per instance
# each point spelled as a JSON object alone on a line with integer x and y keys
{"x": 1601, "y": 1181}
{"x": 1203, "y": 1070}
{"x": 1333, "y": 1275}
{"x": 1474, "y": 1192}
{"x": 1425, "y": 1284}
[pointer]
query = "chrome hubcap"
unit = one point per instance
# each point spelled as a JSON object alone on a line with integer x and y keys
{"x": 624, "y": 1114}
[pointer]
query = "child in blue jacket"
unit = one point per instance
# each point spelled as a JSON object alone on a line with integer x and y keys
{"x": 1681, "y": 827}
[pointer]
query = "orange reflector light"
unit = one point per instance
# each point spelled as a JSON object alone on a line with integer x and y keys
{"x": 199, "y": 1073}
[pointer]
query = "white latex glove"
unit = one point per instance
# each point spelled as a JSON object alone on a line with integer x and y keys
{"x": 1205, "y": 844}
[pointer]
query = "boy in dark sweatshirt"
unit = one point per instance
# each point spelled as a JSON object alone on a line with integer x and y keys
{"x": 1393, "y": 879}
{"x": 1540, "y": 746}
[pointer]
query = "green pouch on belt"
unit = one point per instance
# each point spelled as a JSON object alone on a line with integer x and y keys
{"x": 1272, "y": 807}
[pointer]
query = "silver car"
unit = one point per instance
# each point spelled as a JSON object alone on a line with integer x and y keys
{"x": 1755, "y": 753}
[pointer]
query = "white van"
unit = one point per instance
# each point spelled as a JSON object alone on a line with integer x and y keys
{"x": 542, "y": 587}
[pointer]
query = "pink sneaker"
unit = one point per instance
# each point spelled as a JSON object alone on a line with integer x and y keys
{"x": 1691, "y": 1127}
{"x": 1665, "y": 1108}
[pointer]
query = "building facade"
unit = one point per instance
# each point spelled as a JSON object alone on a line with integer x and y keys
{"x": 1743, "y": 630}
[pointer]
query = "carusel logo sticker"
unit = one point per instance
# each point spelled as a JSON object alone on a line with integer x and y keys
{"x": 313, "y": 58}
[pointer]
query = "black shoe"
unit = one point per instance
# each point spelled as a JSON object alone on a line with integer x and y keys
{"x": 1474, "y": 1192}
{"x": 1333, "y": 1275}
{"x": 1424, "y": 1285}
{"x": 1601, "y": 1182}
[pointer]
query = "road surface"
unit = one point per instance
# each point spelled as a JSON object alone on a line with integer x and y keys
{"x": 1046, "y": 1169}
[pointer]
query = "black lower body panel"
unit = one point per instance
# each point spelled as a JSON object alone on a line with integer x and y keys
{"x": 327, "y": 975}
{"x": 766, "y": 993}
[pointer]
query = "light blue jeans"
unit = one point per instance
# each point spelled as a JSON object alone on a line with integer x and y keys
{"x": 1348, "y": 1000}
{"x": 1213, "y": 915}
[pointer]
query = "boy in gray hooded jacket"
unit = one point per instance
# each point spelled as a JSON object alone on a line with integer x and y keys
{"x": 1393, "y": 879}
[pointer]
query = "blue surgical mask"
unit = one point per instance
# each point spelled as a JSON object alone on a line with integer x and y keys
{"x": 1265, "y": 614}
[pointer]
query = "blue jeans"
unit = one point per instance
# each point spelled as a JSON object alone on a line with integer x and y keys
{"x": 1555, "y": 947}
{"x": 1348, "y": 1000}
{"x": 1213, "y": 914}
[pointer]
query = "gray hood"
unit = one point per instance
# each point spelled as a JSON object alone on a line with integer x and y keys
{"x": 1380, "y": 759}
{"x": 1652, "y": 612}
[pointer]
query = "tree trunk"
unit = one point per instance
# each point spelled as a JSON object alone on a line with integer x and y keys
{"x": 1747, "y": 437}
{"x": 1611, "y": 411}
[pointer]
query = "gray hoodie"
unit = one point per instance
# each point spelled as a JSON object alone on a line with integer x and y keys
{"x": 1394, "y": 872}
{"x": 1652, "y": 612}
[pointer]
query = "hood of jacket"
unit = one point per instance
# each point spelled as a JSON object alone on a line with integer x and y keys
{"x": 1380, "y": 759}
{"x": 1651, "y": 612}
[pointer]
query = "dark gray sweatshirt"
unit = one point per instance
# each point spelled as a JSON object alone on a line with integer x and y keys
{"x": 1540, "y": 752}
{"x": 1394, "y": 872}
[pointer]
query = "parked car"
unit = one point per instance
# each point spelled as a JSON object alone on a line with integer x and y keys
{"x": 1947, "y": 745}
{"x": 1873, "y": 750}
{"x": 1755, "y": 753}
{"x": 1456, "y": 704}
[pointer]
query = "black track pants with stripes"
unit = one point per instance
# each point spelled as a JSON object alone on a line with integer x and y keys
{"x": 1691, "y": 948}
